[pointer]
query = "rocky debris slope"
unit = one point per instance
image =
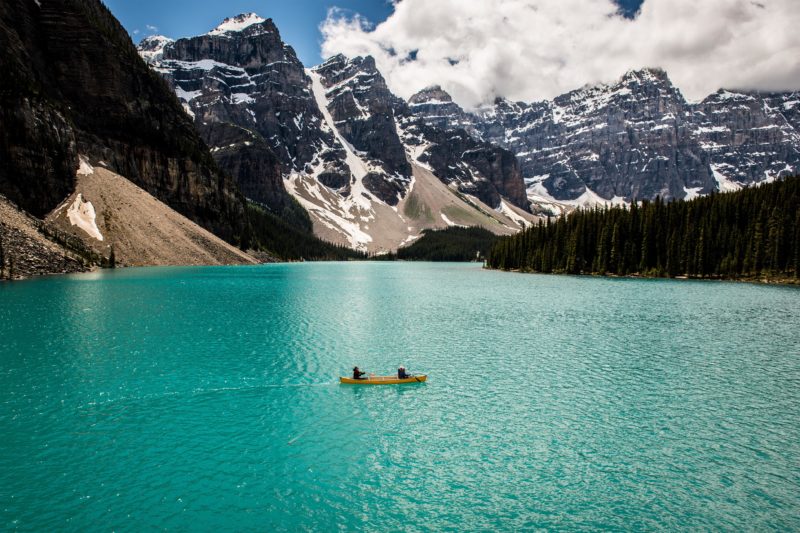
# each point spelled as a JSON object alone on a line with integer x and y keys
{"x": 636, "y": 138}
{"x": 108, "y": 212}
{"x": 29, "y": 247}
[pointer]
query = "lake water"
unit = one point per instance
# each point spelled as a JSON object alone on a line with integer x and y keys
{"x": 208, "y": 399}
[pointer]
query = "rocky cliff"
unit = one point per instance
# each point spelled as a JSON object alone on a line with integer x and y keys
{"x": 76, "y": 84}
{"x": 250, "y": 99}
{"x": 363, "y": 109}
{"x": 636, "y": 138}
{"x": 334, "y": 137}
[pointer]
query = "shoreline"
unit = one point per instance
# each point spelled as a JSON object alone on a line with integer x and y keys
{"x": 784, "y": 281}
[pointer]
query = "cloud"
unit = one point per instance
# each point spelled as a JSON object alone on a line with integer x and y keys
{"x": 535, "y": 49}
{"x": 151, "y": 28}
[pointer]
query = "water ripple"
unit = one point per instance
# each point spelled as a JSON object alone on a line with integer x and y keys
{"x": 210, "y": 400}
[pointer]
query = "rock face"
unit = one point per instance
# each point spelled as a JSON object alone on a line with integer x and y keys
{"x": 748, "y": 136}
{"x": 787, "y": 104}
{"x": 334, "y": 137}
{"x": 251, "y": 101}
{"x": 73, "y": 83}
{"x": 474, "y": 167}
{"x": 632, "y": 139}
{"x": 439, "y": 110}
{"x": 363, "y": 110}
{"x": 637, "y": 138}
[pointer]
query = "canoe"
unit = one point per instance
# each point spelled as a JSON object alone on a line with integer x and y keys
{"x": 383, "y": 380}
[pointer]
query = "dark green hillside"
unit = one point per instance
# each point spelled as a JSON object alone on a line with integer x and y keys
{"x": 275, "y": 235}
{"x": 451, "y": 244}
{"x": 746, "y": 234}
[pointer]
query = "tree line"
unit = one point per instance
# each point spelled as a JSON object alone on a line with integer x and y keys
{"x": 451, "y": 244}
{"x": 750, "y": 233}
{"x": 268, "y": 232}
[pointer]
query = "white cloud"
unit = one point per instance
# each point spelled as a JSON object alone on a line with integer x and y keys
{"x": 151, "y": 28}
{"x": 536, "y": 49}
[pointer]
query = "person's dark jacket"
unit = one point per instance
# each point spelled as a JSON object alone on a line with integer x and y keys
{"x": 357, "y": 373}
{"x": 401, "y": 373}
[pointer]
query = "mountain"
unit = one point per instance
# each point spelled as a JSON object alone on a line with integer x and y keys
{"x": 249, "y": 97}
{"x": 334, "y": 138}
{"x": 748, "y": 137}
{"x": 636, "y": 138}
{"x": 73, "y": 84}
{"x": 630, "y": 139}
{"x": 439, "y": 110}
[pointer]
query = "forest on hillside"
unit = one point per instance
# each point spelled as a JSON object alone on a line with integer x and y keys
{"x": 752, "y": 233}
{"x": 450, "y": 244}
{"x": 290, "y": 239}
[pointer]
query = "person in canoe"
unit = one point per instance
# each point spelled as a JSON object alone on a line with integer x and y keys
{"x": 357, "y": 373}
{"x": 402, "y": 374}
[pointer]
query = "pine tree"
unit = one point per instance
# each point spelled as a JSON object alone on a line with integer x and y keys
{"x": 729, "y": 235}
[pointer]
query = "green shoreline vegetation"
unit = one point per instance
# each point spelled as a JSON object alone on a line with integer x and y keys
{"x": 752, "y": 234}
{"x": 450, "y": 244}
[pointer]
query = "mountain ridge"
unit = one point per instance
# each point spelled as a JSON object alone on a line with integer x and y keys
{"x": 715, "y": 140}
{"x": 634, "y": 138}
{"x": 332, "y": 137}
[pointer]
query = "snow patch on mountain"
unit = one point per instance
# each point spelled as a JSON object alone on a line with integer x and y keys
{"x": 236, "y": 24}
{"x": 723, "y": 183}
{"x": 81, "y": 214}
{"x": 187, "y": 96}
{"x": 84, "y": 168}
{"x": 152, "y": 48}
{"x": 358, "y": 167}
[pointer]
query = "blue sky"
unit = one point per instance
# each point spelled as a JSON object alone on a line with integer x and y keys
{"x": 297, "y": 20}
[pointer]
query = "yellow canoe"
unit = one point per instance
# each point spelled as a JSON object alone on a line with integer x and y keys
{"x": 383, "y": 380}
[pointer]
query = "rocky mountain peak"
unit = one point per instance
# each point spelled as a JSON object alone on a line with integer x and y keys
{"x": 242, "y": 22}
{"x": 250, "y": 99}
{"x": 436, "y": 108}
{"x": 363, "y": 108}
{"x": 151, "y": 48}
{"x": 725, "y": 96}
{"x": 432, "y": 94}
{"x": 339, "y": 68}
{"x": 646, "y": 75}
{"x": 639, "y": 138}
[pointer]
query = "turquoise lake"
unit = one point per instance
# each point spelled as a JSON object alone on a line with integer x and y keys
{"x": 207, "y": 399}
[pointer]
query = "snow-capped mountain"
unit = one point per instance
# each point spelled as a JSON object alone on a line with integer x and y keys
{"x": 352, "y": 153}
{"x": 334, "y": 137}
{"x": 439, "y": 110}
{"x": 152, "y": 48}
{"x": 636, "y": 138}
{"x": 748, "y": 137}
